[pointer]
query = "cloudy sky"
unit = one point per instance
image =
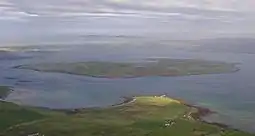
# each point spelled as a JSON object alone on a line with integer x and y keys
{"x": 39, "y": 20}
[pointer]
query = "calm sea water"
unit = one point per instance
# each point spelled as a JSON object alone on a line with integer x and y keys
{"x": 231, "y": 95}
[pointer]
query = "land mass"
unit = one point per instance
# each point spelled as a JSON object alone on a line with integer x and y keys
{"x": 138, "y": 116}
{"x": 149, "y": 67}
{"x": 4, "y": 91}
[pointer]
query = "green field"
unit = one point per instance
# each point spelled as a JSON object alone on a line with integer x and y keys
{"x": 144, "y": 116}
{"x": 149, "y": 67}
{"x": 4, "y": 91}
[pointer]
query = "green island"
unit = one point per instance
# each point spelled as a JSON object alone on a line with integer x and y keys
{"x": 137, "y": 116}
{"x": 4, "y": 91}
{"x": 148, "y": 67}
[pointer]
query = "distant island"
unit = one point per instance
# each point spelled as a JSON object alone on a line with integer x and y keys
{"x": 137, "y": 116}
{"x": 148, "y": 67}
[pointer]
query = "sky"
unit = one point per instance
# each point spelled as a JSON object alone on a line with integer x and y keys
{"x": 24, "y": 21}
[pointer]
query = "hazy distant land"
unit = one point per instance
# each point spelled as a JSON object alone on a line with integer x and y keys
{"x": 149, "y": 67}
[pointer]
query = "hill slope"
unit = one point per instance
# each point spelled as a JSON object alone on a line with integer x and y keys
{"x": 142, "y": 116}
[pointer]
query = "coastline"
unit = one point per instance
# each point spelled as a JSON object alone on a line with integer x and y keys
{"x": 125, "y": 101}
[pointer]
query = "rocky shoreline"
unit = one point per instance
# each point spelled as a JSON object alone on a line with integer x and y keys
{"x": 203, "y": 112}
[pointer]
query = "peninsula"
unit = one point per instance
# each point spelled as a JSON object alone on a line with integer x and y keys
{"x": 139, "y": 116}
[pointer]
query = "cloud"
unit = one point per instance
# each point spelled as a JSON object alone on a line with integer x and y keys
{"x": 46, "y": 7}
{"x": 221, "y": 10}
{"x": 9, "y": 11}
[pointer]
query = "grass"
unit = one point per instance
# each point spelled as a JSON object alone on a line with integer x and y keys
{"x": 154, "y": 67}
{"x": 4, "y": 91}
{"x": 146, "y": 116}
{"x": 11, "y": 114}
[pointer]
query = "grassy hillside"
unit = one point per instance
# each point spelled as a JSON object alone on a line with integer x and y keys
{"x": 144, "y": 116}
{"x": 11, "y": 114}
{"x": 4, "y": 91}
{"x": 151, "y": 67}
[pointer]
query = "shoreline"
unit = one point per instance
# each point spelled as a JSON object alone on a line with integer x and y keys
{"x": 204, "y": 112}
{"x": 126, "y": 100}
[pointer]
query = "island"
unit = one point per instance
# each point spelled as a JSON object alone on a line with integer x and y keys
{"x": 138, "y": 116}
{"x": 149, "y": 67}
{"x": 4, "y": 92}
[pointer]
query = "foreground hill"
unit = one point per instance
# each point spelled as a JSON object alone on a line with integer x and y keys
{"x": 4, "y": 91}
{"x": 139, "y": 116}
